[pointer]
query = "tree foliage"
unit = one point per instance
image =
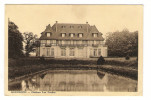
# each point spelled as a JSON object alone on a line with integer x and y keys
{"x": 15, "y": 45}
{"x": 30, "y": 41}
{"x": 122, "y": 43}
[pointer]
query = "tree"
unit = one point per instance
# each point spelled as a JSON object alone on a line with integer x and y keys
{"x": 30, "y": 41}
{"x": 122, "y": 43}
{"x": 15, "y": 39}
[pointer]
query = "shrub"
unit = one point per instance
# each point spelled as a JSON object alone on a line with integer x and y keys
{"x": 100, "y": 61}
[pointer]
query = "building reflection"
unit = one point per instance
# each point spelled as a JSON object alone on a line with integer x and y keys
{"x": 77, "y": 80}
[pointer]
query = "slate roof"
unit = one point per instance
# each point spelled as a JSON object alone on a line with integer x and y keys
{"x": 68, "y": 28}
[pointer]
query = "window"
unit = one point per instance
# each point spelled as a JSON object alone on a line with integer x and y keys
{"x": 95, "y": 34}
{"x": 63, "y": 42}
{"x": 99, "y": 52}
{"x": 53, "y": 41}
{"x": 63, "y": 52}
{"x": 48, "y": 51}
{"x": 84, "y": 42}
{"x": 52, "y": 51}
{"x": 71, "y": 53}
{"x": 71, "y": 26}
{"x": 80, "y": 34}
{"x": 48, "y": 42}
{"x": 43, "y": 52}
{"x": 63, "y": 26}
{"x": 48, "y": 34}
{"x": 71, "y": 35}
{"x": 94, "y": 42}
{"x": 80, "y": 52}
{"x": 63, "y": 34}
{"x": 79, "y": 26}
{"x": 43, "y": 42}
{"x": 95, "y": 52}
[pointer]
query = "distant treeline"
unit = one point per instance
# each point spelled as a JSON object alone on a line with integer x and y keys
{"x": 122, "y": 44}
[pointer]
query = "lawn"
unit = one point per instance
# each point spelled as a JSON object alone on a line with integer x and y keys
{"x": 89, "y": 61}
{"x": 26, "y": 66}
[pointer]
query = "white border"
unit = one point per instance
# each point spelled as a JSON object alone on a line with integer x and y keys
{"x": 146, "y": 51}
{"x": 73, "y": 1}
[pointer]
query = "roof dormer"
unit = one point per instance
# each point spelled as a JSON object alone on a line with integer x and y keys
{"x": 80, "y": 35}
{"x": 63, "y": 34}
{"x": 95, "y": 34}
{"x": 48, "y": 34}
{"x": 71, "y": 34}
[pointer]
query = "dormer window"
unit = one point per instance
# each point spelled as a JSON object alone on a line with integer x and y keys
{"x": 63, "y": 26}
{"x": 63, "y": 34}
{"x": 80, "y": 34}
{"x": 48, "y": 34}
{"x": 79, "y": 26}
{"x": 71, "y": 34}
{"x": 95, "y": 34}
{"x": 71, "y": 26}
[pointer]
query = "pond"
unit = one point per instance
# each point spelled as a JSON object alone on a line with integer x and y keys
{"x": 75, "y": 80}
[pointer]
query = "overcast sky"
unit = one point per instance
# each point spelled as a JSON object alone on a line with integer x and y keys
{"x": 107, "y": 18}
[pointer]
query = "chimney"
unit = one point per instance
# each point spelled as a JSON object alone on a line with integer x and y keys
{"x": 87, "y": 26}
{"x": 56, "y": 25}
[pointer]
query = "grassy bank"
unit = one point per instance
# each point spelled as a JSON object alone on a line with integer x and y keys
{"x": 25, "y": 66}
{"x": 122, "y": 71}
{"x": 92, "y": 61}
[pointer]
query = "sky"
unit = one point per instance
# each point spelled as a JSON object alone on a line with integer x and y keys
{"x": 107, "y": 18}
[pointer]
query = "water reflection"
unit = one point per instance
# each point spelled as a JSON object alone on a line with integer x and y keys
{"x": 78, "y": 80}
{"x": 30, "y": 84}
